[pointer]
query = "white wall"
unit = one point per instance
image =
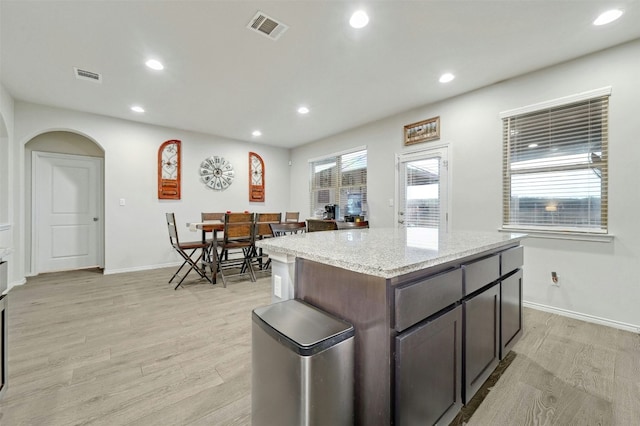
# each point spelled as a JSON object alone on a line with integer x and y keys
{"x": 136, "y": 234}
{"x": 598, "y": 281}
{"x": 7, "y": 177}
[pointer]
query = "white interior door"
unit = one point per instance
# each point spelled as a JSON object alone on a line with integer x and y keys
{"x": 67, "y": 210}
{"x": 423, "y": 189}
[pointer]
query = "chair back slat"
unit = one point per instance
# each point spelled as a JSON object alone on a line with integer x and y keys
{"x": 173, "y": 231}
{"x": 281, "y": 229}
{"x": 263, "y": 220}
{"x": 292, "y": 216}
{"x": 239, "y": 226}
{"x": 212, "y": 216}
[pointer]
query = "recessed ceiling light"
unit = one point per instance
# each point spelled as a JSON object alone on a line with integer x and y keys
{"x": 154, "y": 64}
{"x": 446, "y": 77}
{"x": 137, "y": 108}
{"x": 256, "y": 133}
{"x": 359, "y": 19}
{"x": 608, "y": 17}
{"x": 303, "y": 110}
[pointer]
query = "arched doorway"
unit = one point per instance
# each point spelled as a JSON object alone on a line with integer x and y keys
{"x": 65, "y": 177}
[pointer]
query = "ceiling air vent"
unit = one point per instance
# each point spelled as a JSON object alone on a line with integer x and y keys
{"x": 87, "y": 75}
{"x": 267, "y": 26}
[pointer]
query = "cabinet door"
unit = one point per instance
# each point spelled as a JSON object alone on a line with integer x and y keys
{"x": 510, "y": 312}
{"x": 428, "y": 371}
{"x": 4, "y": 351}
{"x": 481, "y": 339}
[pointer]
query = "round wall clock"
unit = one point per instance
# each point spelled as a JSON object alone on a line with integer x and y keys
{"x": 217, "y": 173}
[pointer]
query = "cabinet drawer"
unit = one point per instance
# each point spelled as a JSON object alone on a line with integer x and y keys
{"x": 511, "y": 259}
{"x": 480, "y": 273}
{"x": 422, "y": 299}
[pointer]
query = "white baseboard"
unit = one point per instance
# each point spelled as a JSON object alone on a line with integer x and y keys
{"x": 15, "y": 284}
{"x": 140, "y": 268}
{"x": 583, "y": 317}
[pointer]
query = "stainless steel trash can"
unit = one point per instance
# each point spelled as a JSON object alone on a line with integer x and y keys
{"x": 302, "y": 366}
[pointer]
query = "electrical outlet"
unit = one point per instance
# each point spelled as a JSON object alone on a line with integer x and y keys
{"x": 277, "y": 285}
{"x": 554, "y": 279}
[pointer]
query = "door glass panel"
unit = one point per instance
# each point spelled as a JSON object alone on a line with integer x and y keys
{"x": 422, "y": 191}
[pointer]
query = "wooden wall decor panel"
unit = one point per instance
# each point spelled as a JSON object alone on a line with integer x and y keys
{"x": 169, "y": 170}
{"x": 256, "y": 178}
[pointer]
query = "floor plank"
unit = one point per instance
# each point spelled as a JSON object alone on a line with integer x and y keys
{"x": 126, "y": 349}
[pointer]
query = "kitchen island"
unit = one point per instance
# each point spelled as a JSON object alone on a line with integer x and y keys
{"x": 433, "y": 313}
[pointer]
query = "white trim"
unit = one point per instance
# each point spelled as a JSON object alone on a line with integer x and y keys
{"x": 14, "y": 284}
{"x": 5, "y": 226}
{"x": 337, "y": 154}
{"x": 603, "y": 91}
{"x": 418, "y": 154}
{"x": 561, "y": 235}
{"x": 583, "y": 317}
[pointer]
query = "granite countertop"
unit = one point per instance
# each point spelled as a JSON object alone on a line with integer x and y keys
{"x": 5, "y": 251}
{"x": 387, "y": 252}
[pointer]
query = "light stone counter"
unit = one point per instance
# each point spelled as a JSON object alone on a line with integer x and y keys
{"x": 386, "y": 252}
{"x": 404, "y": 292}
{"x": 4, "y": 252}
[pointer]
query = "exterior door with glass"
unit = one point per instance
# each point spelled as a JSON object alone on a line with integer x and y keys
{"x": 423, "y": 189}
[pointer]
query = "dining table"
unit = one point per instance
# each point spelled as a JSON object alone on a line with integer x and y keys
{"x": 213, "y": 227}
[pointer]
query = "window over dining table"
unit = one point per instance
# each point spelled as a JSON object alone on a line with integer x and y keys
{"x": 555, "y": 165}
{"x": 339, "y": 179}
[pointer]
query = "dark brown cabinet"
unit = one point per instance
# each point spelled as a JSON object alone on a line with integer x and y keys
{"x": 428, "y": 371}
{"x": 3, "y": 345}
{"x": 510, "y": 311}
{"x": 425, "y": 341}
{"x": 481, "y": 338}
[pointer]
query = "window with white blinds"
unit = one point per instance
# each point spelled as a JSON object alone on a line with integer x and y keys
{"x": 555, "y": 163}
{"x": 340, "y": 179}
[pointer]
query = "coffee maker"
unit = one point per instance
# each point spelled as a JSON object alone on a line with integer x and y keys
{"x": 331, "y": 211}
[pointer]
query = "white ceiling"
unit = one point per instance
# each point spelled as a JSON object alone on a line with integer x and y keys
{"x": 223, "y": 79}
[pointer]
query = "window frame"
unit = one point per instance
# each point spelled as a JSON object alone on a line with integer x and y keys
{"x": 335, "y": 190}
{"x": 542, "y": 230}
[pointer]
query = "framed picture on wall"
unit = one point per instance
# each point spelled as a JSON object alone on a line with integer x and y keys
{"x": 422, "y": 131}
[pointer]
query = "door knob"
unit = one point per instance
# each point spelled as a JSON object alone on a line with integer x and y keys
{"x": 95, "y": 219}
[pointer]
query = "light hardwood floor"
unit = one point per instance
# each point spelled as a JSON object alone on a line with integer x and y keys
{"x": 88, "y": 349}
{"x": 567, "y": 372}
{"x": 127, "y": 349}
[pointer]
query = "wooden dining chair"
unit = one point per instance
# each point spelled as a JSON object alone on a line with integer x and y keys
{"x": 195, "y": 253}
{"x": 292, "y": 216}
{"x": 263, "y": 220}
{"x": 282, "y": 229}
{"x": 263, "y": 230}
{"x": 315, "y": 225}
{"x": 212, "y": 216}
{"x": 238, "y": 245}
{"x": 353, "y": 225}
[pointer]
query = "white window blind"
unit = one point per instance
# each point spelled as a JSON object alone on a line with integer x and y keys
{"x": 555, "y": 163}
{"x": 421, "y": 197}
{"x": 342, "y": 180}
